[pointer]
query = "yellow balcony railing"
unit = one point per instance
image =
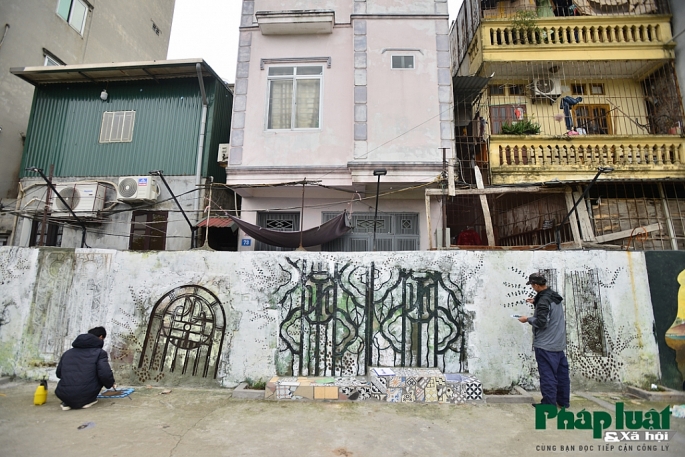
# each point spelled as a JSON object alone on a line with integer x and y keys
{"x": 515, "y": 159}
{"x": 587, "y": 38}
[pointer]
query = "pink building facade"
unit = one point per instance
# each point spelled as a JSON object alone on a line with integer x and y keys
{"x": 330, "y": 91}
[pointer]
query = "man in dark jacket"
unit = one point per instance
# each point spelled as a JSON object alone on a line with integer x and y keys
{"x": 549, "y": 342}
{"x": 83, "y": 371}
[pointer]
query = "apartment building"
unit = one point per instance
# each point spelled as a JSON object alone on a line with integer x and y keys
{"x": 572, "y": 113}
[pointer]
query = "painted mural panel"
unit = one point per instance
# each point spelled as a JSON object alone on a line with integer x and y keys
{"x": 331, "y": 314}
{"x": 666, "y": 271}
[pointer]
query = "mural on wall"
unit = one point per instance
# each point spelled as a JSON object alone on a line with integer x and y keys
{"x": 338, "y": 317}
{"x": 335, "y": 312}
{"x": 594, "y": 345}
{"x": 323, "y": 321}
{"x": 420, "y": 318}
{"x": 185, "y": 333}
{"x": 666, "y": 273}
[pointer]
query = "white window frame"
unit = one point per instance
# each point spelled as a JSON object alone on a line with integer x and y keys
{"x": 294, "y": 77}
{"x": 70, "y": 16}
{"x": 413, "y": 62}
{"x": 50, "y": 62}
{"x": 107, "y": 135}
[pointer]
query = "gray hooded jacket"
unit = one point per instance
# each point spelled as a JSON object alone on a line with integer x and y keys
{"x": 549, "y": 322}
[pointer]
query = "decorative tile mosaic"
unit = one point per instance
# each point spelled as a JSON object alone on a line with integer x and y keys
{"x": 425, "y": 385}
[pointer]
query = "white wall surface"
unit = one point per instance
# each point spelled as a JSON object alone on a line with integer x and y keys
{"x": 49, "y": 296}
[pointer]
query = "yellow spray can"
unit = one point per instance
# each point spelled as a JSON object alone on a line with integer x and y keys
{"x": 41, "y": 395}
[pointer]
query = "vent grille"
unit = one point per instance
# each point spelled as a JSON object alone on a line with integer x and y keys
{"x": 71, "y": 196}
{"x": 128, "y": 187}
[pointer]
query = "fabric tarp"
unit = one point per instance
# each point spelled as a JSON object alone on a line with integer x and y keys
{"x": 601, "y": 7}
{"x": 329, "y": 231}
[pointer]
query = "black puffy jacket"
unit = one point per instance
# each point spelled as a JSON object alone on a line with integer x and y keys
{"x": 83, "y": 370}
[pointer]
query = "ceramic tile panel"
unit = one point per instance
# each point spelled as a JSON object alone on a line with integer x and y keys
{"x": 319, "y": 392}
{"x": 304, "y": 392}
{"x": 331, "y": 393}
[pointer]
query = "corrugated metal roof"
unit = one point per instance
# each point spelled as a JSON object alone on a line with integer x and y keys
{"x": 467, "y": 88}
{"x": 219, "y": 222}
{"x": 105, "y": 72}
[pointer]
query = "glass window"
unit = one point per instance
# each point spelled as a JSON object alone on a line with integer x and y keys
{"x": 74, "y": 12}
{"x": 50, "y": 62}
{"x": 496, "y": 89}
{"x": 294, "y": 98}
{"x": 117, "y": 126}
{"x": 596, "y": 89}
{"x": 403, "y": 62}
{"x": 148, "y": 231}
{"x": 578, "y": 89}
{"x": 517, "y": 89}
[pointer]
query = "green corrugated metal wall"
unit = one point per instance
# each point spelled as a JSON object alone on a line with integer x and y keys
{"x": 64, "y": 128}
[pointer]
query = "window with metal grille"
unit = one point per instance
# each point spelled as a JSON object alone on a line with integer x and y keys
{"x": 594, "y": 119}
{"x": 117, "y": 126}
{"x": 394, "y": 232}
{"x": 74, "y": 12}
{"x": 282, "y": 222}
{"x": 403, "y": 62}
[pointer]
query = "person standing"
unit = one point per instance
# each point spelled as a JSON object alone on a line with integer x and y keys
{"x": 83, "y": 371}
{"x": 549, "y": 342}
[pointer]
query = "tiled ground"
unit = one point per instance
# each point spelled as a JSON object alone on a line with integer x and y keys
{"x": 420, "y": 385}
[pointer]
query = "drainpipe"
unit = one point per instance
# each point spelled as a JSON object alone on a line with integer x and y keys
{"x": 20, "y": 197}
{"x": 201, "y": 142}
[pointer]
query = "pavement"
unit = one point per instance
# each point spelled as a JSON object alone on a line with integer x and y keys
{"x": 209, "y": 422}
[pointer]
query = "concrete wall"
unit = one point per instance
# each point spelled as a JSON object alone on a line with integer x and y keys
{"x": 115, "y": 31}
{"x": 450, "y": 309}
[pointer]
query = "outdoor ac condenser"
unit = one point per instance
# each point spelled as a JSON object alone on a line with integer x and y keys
{"x": 84, "y": 199}
{"x": 137, "y": 188}
{"x": 549, "y": 88}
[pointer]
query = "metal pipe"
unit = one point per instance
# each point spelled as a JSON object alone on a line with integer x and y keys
{"x": 52, "y": 186}
{"x": 380, "y": 172}
{"x": 193, "y": 229}
{"x": 557, "y": 232}
{"x": 201, "y": 140}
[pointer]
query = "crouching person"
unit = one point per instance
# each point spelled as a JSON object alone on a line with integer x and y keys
{"x": 83, "y": 371}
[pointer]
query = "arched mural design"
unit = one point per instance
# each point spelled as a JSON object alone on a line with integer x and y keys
{"x": 185, "y": 333}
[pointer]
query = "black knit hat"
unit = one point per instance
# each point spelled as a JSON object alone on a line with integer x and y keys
{"x": 537, "y": 278}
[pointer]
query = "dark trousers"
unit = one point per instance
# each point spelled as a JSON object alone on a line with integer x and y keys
{"x": 555, "y": 384}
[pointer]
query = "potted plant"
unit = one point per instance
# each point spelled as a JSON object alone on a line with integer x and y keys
{"x": 524, "y": 127}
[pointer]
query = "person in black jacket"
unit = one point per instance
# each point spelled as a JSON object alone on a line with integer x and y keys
{"x": 83, "y": 371}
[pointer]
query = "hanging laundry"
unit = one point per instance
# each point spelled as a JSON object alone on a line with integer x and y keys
{"x": 566, "y": 104}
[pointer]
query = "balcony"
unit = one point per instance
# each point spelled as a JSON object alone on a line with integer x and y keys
{"x": 579, "y": 38}
{"x": 520, "y": 159}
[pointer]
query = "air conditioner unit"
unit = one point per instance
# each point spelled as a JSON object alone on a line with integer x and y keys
{"x": 223, "y": 153}
{"x": 547, "y": 88}
{"x": 137, "y": 188}
{"x": 84, "y": 199}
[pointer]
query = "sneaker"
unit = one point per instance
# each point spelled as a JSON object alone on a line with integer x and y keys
{"x": 89, "y": 404}
{"x": 64, "y": 407}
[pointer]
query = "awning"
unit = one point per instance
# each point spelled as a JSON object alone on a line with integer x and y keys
{"x": 331, "y": 230}
{"x": 218, "y": 222}
{"x": 467, "y": 88}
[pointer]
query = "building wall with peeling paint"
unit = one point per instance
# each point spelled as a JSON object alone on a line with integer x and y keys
{"x": 330, "y": 314}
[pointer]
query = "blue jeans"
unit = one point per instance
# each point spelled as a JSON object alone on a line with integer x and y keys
{"x": 566, "y": 104}
{"x": 555, "y": 384}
